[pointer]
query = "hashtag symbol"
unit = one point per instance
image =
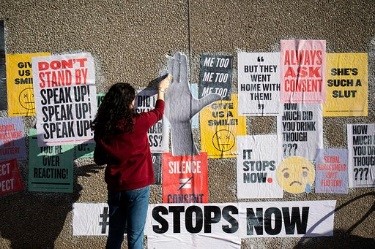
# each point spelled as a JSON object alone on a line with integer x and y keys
{"x": 104, "y": 221}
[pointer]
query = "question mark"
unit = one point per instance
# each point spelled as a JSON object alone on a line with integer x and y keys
{"x": 295, "y": 148}
{"x": 356, "y": 174}
{"x": 284, "y": 145}
{"x": 365, "y": 169}
{"x": 361, "y": 170}
{"x": 290, "y": 147}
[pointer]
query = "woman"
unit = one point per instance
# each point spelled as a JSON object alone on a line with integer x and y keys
{"x": 121, "y": 143}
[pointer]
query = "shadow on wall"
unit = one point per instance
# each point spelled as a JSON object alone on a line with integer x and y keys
{"x": 35, "y": 219}
{"x": 342, "y": 239}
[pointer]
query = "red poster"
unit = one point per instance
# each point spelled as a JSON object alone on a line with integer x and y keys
{"x": 10, "y": 178}
{"x": 302, "y": 71}
{"x": 185, "y": 178}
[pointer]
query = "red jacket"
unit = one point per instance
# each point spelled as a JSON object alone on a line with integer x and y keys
{"x": 128, "y": 155}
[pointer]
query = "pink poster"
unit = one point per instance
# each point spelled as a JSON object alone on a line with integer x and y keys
{"x": 302, "y": 71}
{"x": 10, "y": 178}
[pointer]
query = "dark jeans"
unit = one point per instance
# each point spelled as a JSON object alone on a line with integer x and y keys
{"x": 128, "y": 212}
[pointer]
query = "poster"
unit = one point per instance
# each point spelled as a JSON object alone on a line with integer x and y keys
{"x": 331, "y": 169}
{"x": 361, "y": 155}
{"x": 347, "y": 85}
{"x": 220, "y": 125}
{"x": 215, "y": 75}
{"x": 302, "y": 69}
{"x": 50, "y": 167}
{"x": 185, "y": 178}
{"x": 65, "y": 98}
{"x": 10, "y": 177}
{"x": 20, "y": 84}
{"x": 3, "y": 87}
{"x": 220, "y": 224}
{"x": 258, "y": 83}
{"x": 12, "y": 139}
{"x": 256, "y": 167}
{"x": 145, "y": 101}
{"x": 300, "y": 130}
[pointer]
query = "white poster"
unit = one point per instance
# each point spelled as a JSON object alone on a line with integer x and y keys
{"x": 145, "y": 101}
{"x": 256, "y": 167}
{"x": 287, "y": 219}
{"x": 300, "y": 130}
{"x": 65, "y": 98}
{"x": 361, "y": 155}
{"x": 258, "y": 83}
{"x": 216, "y": 225}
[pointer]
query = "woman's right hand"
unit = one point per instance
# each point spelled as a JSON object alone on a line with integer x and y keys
{"x": 164, "y": 84}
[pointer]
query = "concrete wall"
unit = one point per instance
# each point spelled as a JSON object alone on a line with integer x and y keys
{"x": 129, "y": 41}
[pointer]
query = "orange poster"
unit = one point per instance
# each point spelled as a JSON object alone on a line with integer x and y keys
{"x": 185, "y": 178}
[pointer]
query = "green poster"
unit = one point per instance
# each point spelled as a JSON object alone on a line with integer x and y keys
{"x": 50, "y": 167}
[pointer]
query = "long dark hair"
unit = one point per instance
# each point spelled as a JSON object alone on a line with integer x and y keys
{"x": 115, "y": 114}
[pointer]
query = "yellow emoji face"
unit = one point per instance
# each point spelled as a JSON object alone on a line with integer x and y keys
{"x": 295, "y": 175}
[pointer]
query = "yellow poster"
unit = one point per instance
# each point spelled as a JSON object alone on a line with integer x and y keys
{"x": 20, "y": 84}
{"x": 220, "y": 124}
{"x": 346, "y": 85}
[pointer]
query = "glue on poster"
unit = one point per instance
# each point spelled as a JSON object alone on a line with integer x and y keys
{"x": 300, "y": 130}
{"x": 215, "y": 75}
{"x": 65, "y": 97}
{"x": 12, "y": 139}
{"x": 302, "y": 70}
{"x": 50, "y": 167}
{"x": 256, "y": 167}
{"x": 361, "y": 155}
{"x": 331, "y": 171}
{"x": 10, "y": 178}
{"x": 20, "y": 84}
{"x": 346, "y": 85}
{"x": 220, "y": 125}
{"x": 185, "y": 178}
{"x": 145, "y": 101}
{"x": 258, "y": 83}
